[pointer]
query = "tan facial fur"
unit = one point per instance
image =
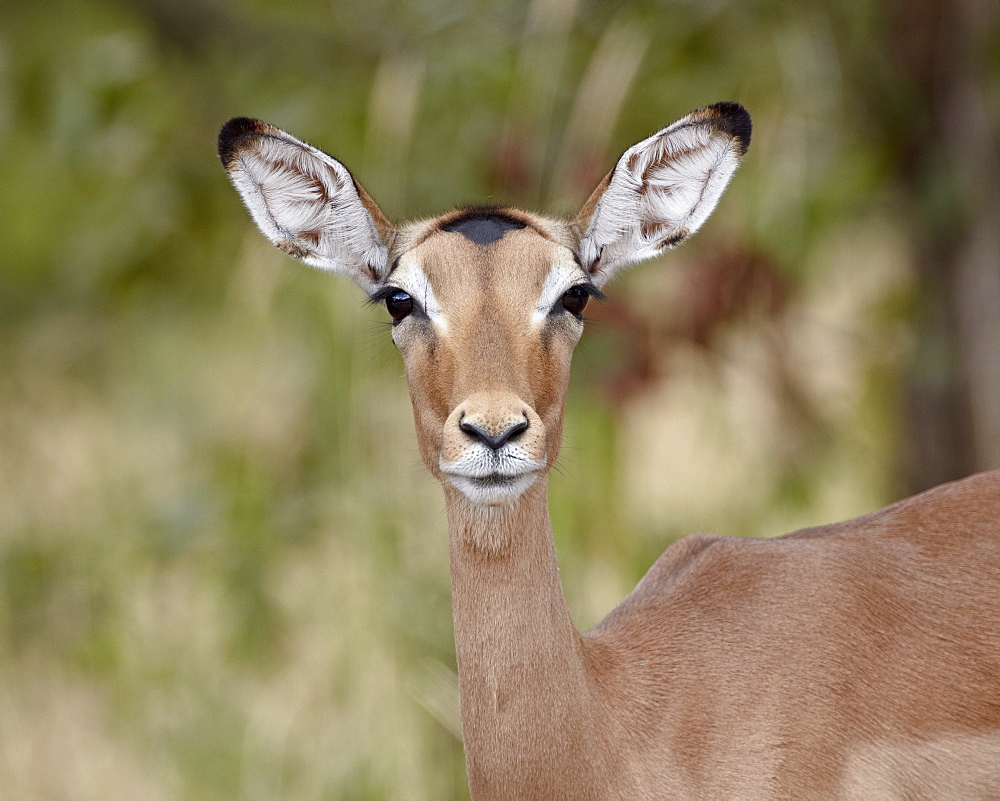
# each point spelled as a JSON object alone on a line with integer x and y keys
{"x": 483, "y": 353}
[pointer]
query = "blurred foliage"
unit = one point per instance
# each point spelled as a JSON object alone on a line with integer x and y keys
{"x": 223, "y": 572}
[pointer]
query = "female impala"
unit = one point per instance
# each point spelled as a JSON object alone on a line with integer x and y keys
{"x": 859, "y": 660}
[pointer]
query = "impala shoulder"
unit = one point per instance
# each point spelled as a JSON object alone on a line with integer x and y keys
{"x": 686, "y": 558}
{"x": 681, "y": 556}
{"x": 677, "y": 566}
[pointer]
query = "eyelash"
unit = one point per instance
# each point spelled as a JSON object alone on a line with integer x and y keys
{"x": 591, "y": 290}
{"x": 386, "y": 292}
{"x": 381, "y": 294}
{"x": 574, "y": 300}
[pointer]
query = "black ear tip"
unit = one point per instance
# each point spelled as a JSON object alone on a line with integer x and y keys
{"x": 734, "y": 120}
{"x": 234, "y": 135}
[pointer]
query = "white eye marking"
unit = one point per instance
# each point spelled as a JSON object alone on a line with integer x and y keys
{"x": 560, "y": 278}
{"x": 410, "y": 277}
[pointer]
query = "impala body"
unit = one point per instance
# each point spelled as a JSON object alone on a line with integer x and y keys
{"x": 857, "y": 660}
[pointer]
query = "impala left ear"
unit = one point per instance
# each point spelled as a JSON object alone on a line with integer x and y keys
{"x": 662, "y": 189}
{"x": 306, "y": 202}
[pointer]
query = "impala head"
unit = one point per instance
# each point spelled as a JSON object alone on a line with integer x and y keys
{"x": 487, "y": 304}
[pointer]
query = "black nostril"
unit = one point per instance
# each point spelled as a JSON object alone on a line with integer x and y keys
{"x": 493, "y": 442}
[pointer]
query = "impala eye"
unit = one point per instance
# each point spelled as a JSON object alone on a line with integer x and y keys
{"x": 399, "y": 304}
{"x": 575, "y": 300}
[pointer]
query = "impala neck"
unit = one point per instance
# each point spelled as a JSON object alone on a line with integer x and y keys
{"x": 529, "y": 715}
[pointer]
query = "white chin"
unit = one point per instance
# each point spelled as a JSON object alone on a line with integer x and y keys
{"x": 494, "y": 490}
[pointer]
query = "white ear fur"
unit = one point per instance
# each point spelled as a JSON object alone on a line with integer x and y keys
{"x": 305, "y": 202}
{"x": 662, "y": 189}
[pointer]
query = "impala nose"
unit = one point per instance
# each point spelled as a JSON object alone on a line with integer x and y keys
{"x": 491, "y": 441}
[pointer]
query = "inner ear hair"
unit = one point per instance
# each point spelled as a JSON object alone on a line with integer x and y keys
{"x": 306, "y": 202}
{"x": 662, "y": 189}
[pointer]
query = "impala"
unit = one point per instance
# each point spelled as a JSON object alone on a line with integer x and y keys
{"x": 855, "y": 660}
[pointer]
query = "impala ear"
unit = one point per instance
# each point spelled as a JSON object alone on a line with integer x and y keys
{"x": 662, "y": 189}
{"x": 305, "y": 202}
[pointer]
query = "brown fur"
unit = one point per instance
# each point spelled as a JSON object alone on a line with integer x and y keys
{"x": 857, "y": 660}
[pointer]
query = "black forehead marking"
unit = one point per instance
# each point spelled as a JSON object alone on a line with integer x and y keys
{"x": 483, "y": 228}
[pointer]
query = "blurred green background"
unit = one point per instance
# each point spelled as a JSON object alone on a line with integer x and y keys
{"x": 223, "y": 570}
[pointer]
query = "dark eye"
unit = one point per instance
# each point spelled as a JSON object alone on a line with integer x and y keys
{"x": 399, "y": 304}
{"x": 575, "y": 300}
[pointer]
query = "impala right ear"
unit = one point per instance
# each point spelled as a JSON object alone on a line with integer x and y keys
{"x": 662, "y": 189}
{"x": 306, "y": 202}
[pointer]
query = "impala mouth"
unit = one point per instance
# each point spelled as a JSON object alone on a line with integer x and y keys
{"x": 492, "y": 480}
{"x": 493, "y": 489}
